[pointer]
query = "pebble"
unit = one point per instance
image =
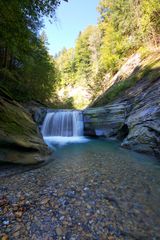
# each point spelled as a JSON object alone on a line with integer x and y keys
{"x": 86, "y": 189}
{"x": 45, "y": 201}
{"x": 71, "y": 194}
{"x": 19, "y": 214}
{"x": 62, "y": 218}
{"x": 58, "y": 231}
{"x": 79, "y": 199}
{"x": 4, "y": 237}
{"x": 6, "y": 222}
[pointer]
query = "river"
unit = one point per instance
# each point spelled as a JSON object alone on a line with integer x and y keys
{"x": 88, "y": 191}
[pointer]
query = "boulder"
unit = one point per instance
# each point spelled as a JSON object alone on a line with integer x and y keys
{"x": 20, "y": 140}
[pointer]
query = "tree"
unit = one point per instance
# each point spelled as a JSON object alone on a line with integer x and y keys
{"x": 79, "y": 67}
{"x": 134, "y": 19}
{"x": 25, "y": 66}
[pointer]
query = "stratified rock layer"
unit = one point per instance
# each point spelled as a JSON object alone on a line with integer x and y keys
{"x": 133, "y": 117}
{"x": 144, "y": 119}
{"x": 20, "y": 140}
{"x": 104, "y": 121}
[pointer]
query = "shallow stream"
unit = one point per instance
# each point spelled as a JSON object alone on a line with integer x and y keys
{"x": 89, "y": 191}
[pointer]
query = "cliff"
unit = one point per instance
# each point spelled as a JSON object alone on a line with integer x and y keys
{"x": 129, "y": 110}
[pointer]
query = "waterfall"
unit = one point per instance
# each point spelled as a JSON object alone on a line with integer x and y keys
{"x": 63, "y": 123}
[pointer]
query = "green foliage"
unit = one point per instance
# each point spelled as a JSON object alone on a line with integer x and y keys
{"x": 112, "y": 49}
{"x": 78, "y": 68}
{"x": 135, "y": 19}
{"x": 19, "y": 19}
{"x": 83, "y": 52}
{"x": 77, "y": 75}
{"x": 26, "y": 68}
{"x": 125, "y": 26}
{"x": 66, "y": 66}
{"x": 150, "y": 20}
{"x": 38, "y": 74}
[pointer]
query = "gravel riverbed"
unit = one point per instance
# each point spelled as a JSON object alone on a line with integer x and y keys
{"x": 91, "y": 191}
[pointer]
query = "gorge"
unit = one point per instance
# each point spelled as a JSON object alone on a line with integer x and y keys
{"x": 80, "y": 124}
{"x": 92, "y": 190}
{"x": 132, "y": 117}
{"x": 91, "y": 187}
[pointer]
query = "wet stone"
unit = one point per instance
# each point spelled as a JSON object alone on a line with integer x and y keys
{"x": 5, "y": 222}
{"x": 71, "y": 194}
{"x": 59, "y": 231}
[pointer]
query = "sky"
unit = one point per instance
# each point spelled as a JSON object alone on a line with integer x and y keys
{"x": 72, "y": 17}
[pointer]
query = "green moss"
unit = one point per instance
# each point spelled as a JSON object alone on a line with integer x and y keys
{"x": 13, "y": 120}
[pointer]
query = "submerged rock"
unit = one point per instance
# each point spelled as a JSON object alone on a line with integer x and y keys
{"x": 20, "y": 140}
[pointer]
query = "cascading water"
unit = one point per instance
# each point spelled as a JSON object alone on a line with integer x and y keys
{"x": 63, "y": 123}
{"x": 63, "y": 126}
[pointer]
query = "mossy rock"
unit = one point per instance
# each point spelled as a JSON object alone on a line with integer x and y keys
{"x": 20, "y": 140}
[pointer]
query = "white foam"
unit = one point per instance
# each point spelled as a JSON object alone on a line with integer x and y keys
{"x": 51, "y": 141}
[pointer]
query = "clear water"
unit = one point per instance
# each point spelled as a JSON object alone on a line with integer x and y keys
{"x": 132, "y": 180}
{"x": 83, "y": 150}
{"x": 96, "y": 190}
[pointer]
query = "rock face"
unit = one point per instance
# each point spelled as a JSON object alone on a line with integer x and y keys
{"x": 143, "y": 119}
{"x": 20, "y": 140}
{"x": 134, "y": 117}
{"x": 104, "y": 121}
{"x": 37, "y": 110}
{"x": 127, "y": 69}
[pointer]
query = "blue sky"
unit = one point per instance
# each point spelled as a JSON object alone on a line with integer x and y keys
{"x": 72, "y": 17}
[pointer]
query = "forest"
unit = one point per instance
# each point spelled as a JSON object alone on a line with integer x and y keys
{"x": 74, "y": 77}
